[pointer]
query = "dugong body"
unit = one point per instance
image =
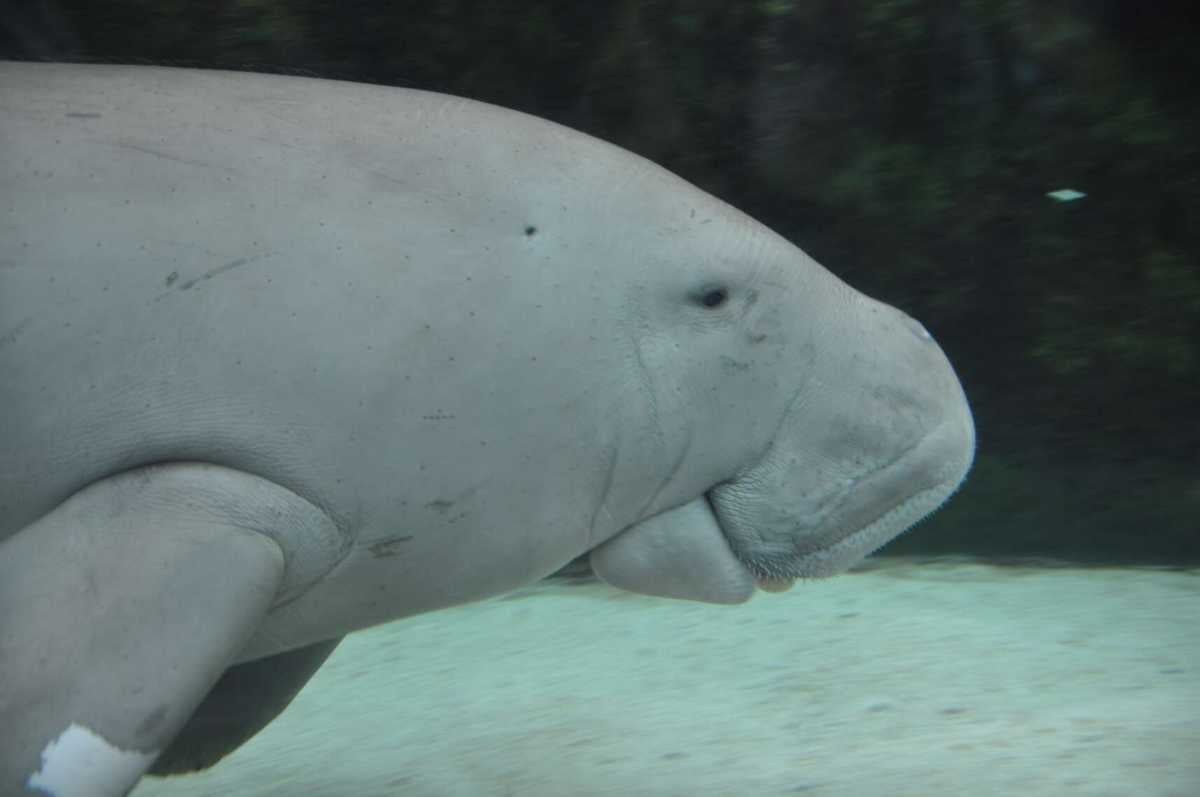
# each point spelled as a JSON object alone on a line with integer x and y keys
{"x": 284, "y": 358}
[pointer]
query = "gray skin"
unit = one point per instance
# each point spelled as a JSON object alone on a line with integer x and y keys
{"x": 284, "y": 358}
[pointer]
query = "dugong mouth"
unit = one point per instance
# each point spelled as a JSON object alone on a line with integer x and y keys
{"x": 745, "y": 534}
{"x": 861, "y": 517}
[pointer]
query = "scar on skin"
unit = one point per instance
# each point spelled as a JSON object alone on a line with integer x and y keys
{"x": 172, "y": 279}
{"x": 387, "y": 547}
{"x": 80, "y": 763}
{"x": 187, "y": 285}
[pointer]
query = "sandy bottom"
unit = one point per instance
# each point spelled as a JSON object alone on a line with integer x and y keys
{"x": 931, "y": 678}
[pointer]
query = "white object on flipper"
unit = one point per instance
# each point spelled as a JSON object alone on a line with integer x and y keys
{"x": 72, "y": 762}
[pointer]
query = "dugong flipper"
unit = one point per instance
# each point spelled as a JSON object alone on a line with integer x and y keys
{"x": 243, "y": 702}
{"x": 137, "y": 603}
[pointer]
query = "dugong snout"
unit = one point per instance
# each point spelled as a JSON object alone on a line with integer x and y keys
{"x": 880, "y": 436}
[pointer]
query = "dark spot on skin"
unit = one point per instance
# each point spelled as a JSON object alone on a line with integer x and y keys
{"x": 757, "y": 338}
{"x": 730, "y": 364}
{"x": 174, "y": 275}
{"x": 440, "y": 505}
{"x": 153, "y": 720}
{"x": 77, "y": 115}
{"x": 673, "y": 756}
{"x": 390, "y": 546}
{"x": 10, "y": 337}
{"x": 531, "y": 230}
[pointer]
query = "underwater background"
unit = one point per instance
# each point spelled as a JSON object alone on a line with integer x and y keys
{"x": 1024, "y": 177}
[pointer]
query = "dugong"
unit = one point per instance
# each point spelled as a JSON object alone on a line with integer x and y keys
{"x": 282, "y": 358}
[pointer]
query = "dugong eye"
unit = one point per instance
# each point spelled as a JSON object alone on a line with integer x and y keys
{"x": 713, "y": 296}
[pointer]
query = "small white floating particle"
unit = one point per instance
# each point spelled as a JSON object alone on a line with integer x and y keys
{"x": 1065, "y": 195}
{"x": 80, "y": 763}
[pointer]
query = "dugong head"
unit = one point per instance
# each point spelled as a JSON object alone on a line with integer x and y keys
{"x": 877, "y": 437}
{"x": 845, "y": 421}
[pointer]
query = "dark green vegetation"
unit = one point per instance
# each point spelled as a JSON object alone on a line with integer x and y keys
{"x": 908, "y": 144}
